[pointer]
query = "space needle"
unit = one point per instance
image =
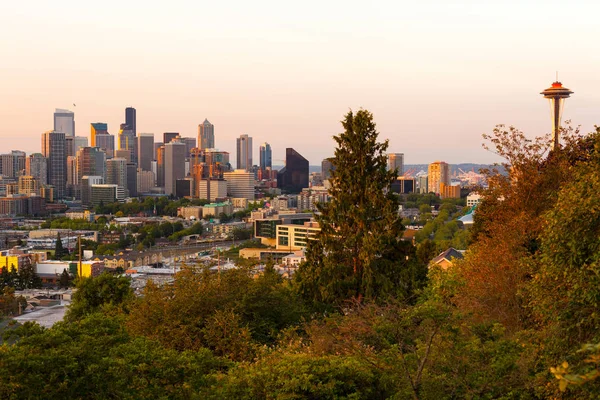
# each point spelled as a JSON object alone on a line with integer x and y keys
{"x": 556, "y": 94}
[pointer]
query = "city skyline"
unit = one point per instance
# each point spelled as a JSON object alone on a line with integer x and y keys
{"x": 288, "y": 78}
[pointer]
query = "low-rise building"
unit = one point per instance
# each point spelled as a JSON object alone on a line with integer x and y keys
{"x": 229, "y": 228}
{"x": 51, "y": 269}
{"x": 446, "y": 258}
{"x": 190, "y": 212}
{"x": 473, "y": 198}
{"x": 449, "y": 191}
{"x": 295, "y": 237}
{"x": 85, "y": 214}
{"x": 216, "y": 209}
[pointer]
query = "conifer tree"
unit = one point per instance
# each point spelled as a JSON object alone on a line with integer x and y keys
{"x": 65, "y": 279}
{"x": 27, "y": 278}
{"x": 358, "y": 252}
{"x": 59, "y": 251}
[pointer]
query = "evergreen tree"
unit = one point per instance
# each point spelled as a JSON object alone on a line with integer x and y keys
{"x": 358, "y": 252}
{"x": 65, "y": 279}
{"x": 27, "y": 277}
{"x": 59, "y": 250}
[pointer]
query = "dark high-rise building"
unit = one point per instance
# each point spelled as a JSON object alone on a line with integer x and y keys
{"x": 326, "y": 168}
{"x": 265, "y": 156}
{"x": 168, "y": 136}
{"x": 294, "y": 176}
{"x": 54, "y": 148}
{"x": 184, "y": 187}
{"x": 174, "y": 165}
{"x": 244, "y": 152}
{"x": 130, "y": 119}
{"x": 206, "y": 135}
{"x": 145, "y": 149}
{"x": 132, "y": 179}
{"x": 64, "y": 121}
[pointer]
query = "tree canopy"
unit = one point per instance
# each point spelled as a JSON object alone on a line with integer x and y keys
{"x": 358, "y": 252}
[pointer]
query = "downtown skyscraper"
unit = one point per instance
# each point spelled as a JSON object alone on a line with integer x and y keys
{"x": 99, "y": 137}
{"x": 36, "y": 165}
{"x": 294, "y": 176}
{"x": 265, "y": 156}
{"x": 145, "y": 151}
{"x": 396, "y": 162}
{"x": 131, "y": 119}
{"x": 206, "y": 135}
{"x": 64, "y": 121}
{"x": 174, "y": 165}
{"x": 127, "y": 141}
{"x": 54, "y": 146}
{"x": 244, "y": 152}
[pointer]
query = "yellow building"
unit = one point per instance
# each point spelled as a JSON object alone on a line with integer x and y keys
{"x": 9, "y": 262}
{"x": 438, "y": 172}
{"x": 294, "y": 237}
{"x": 449, "y": 191}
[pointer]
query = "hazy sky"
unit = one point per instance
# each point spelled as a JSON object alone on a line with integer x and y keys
{"x": 436, "y": 74}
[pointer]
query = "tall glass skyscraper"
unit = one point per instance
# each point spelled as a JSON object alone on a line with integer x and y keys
{"x": 99, "y": 137}
{"x": 244, "y": 152}
{"x": 130, "y": 119}
{"x": 206, "y": 135}
{"x": 294, "y": 176}
{"x": 54, "y": 146}
{"x": 265, "y": 156}
{"x": 127, "y": 141}
{"x": 64, "y": 121}
{"x": 145, "y": 149}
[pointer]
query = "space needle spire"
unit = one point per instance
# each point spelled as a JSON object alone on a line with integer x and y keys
{"x": 556, "y": 94}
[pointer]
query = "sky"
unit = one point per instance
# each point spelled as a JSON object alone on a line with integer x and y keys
{"x": 435, "y": 74}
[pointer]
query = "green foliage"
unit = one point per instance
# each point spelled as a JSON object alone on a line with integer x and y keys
{"x": 586, "y": 375}
{"x": 59, "y": 251}
{"x": 10, "y": 304}
{"x": 299, "y": 376}
{"x": 73, "y": 224}
{"x": 95, "y": 358}
{"x": 8, "y": 277}
{"x": 99, "y": 293}
{"x": 65, "y": 279}
{"x": 164, "y": 206}
{"x": 27, "y": 278}
{"x": 242, "y": 234}
{"x": 357, "y": 253}
{"x": 221, "y": 311}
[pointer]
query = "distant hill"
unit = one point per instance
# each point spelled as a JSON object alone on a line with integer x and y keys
{"x": 454, "y": 168}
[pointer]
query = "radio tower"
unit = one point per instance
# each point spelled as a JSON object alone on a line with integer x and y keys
{"x": 557, "y": 95}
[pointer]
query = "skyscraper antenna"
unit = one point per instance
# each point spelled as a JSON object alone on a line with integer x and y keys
{"x": 556, "y": 76}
